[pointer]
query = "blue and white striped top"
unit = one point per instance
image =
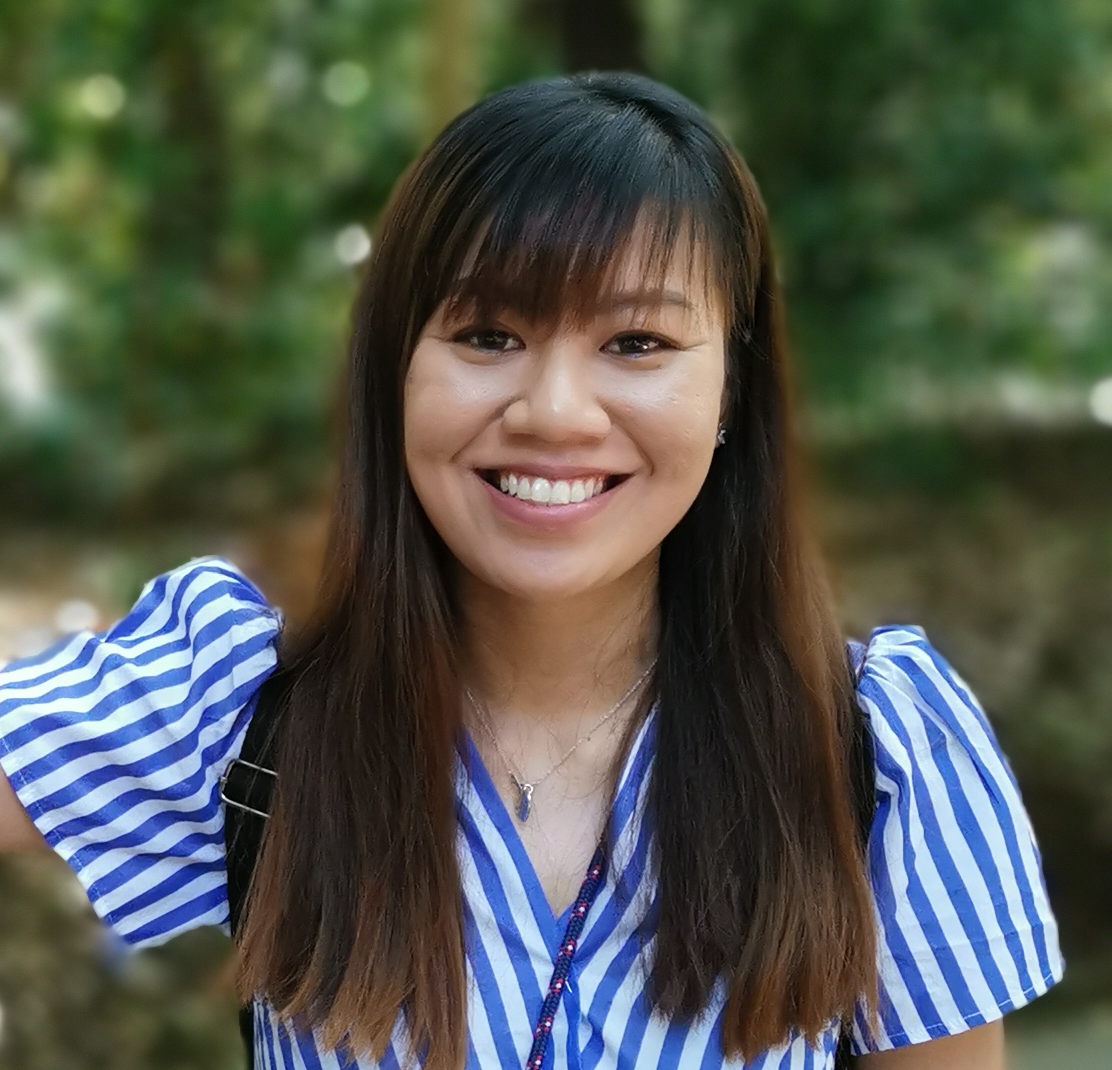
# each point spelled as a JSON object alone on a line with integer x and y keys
{"x": 114, "y": 743}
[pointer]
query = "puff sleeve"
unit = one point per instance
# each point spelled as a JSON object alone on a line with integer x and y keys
{"x": 964, "y": 929}
{"x": 114, "y": 743}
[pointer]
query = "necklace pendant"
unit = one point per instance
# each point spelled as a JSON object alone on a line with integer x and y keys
{"x": 524, "y": 799}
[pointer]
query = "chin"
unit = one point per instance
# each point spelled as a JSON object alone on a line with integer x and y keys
{"x": 531, "y": 583}
{"x": 543, "y": 588}
{"x": 538, "y": 577}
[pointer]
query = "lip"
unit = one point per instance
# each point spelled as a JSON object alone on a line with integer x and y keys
{"x": 551, "y": 472}
{"x": 548, "y": 518}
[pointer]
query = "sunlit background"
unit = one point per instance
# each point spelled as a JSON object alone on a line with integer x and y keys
{"x": 188, "y": 190}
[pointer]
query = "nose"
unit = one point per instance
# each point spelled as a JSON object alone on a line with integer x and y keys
{"x": 559, "y": 399}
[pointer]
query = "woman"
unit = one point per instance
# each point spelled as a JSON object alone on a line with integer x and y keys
{"x": 572, "y": 621}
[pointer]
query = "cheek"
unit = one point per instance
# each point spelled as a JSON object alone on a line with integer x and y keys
{"x": 436, "y": 427}
{"x": 425, "y": 436}
{"x": 441, "y": 410}
{"x": 680, "y": 453}
{"x": 676, "y": 423}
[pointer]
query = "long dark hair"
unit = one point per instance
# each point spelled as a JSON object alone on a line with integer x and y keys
{"x": 355, "y": 913}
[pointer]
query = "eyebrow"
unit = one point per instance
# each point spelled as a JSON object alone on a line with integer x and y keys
{"x": 621, "y": 299}
{"x": 634, "y": 298}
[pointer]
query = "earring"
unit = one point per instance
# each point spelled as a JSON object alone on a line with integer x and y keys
{"x": 721, "y": 436}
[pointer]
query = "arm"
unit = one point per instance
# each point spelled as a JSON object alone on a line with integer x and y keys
{"x": 17, "y": 832}
{"x": 981, "y": 1048}
{"x": 113, "y": 744}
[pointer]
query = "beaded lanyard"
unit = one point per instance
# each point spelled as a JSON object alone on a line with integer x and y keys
{"x": 582, "y": 904}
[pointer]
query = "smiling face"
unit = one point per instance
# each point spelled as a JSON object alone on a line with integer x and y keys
{"x": 554, "y": 460}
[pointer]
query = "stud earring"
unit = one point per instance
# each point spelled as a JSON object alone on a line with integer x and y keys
{"x": 721, "y": 436}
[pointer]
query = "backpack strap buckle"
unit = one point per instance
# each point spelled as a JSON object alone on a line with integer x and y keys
{"x": 255, "y": 770}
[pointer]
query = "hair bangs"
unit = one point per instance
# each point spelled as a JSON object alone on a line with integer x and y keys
{"x": 558, "y": 235}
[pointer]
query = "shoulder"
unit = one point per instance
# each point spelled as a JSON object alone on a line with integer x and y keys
{"x": 206, "y": 598}
{"x": 965, "y": 929}
{"x": 208, "y": 601}
{"x": 195, "y": 645}
{"x": 197, "y": 642}
{"x": 923, "y": 716}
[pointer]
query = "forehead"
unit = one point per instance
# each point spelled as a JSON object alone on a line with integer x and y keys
{"x": 681, "y": 278}
{"x": 647, "y": 270}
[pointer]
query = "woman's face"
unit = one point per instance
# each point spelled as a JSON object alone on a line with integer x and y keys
{"x": 553, "y": 462}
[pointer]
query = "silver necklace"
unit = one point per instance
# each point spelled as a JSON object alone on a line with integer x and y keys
{"x": 525, "y": 788}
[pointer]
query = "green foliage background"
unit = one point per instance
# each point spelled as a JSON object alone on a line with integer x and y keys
{"x": 937, "y": 171}
{"x": 939, "y": 176}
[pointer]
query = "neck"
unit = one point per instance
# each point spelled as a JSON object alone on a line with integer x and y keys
{"x": 560, "y": 663}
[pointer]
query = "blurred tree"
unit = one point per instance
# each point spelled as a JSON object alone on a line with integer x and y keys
{"x": 178, "y": 231}
{"x": 604, "y": 35}
{"x": 194, "y": 183}
{"x": 452, "y": 64}
{"x": 918, "y": 159}
{"x": 601, "y": 35}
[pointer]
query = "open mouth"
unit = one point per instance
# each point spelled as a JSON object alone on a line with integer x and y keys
{"x": 540, "y": 491}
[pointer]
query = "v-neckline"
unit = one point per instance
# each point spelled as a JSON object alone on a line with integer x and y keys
{"x": 551, "y": 925}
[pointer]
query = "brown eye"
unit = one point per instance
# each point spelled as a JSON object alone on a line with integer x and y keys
{"x": 637, "y": 345}
{"x": 486, "y": 339}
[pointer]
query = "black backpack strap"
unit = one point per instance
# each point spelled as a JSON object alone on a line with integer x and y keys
{"x": 245, "y": 789}
{"x": 862, "y": 761}
{"x": 863, "y": 781}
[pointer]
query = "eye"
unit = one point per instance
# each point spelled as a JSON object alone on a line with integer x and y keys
{"x": 484, "y": 339}
{"x": 639, "y": 344}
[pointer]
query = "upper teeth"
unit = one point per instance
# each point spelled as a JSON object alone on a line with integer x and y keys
{"x": 544, "y": 492}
